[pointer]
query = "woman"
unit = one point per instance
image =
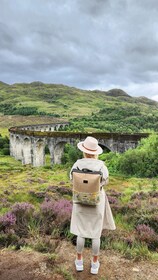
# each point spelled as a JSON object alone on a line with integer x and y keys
{"x": 89, "y": 221}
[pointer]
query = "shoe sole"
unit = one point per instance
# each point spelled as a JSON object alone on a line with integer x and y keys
{"x": 94, "y": 271}
{"x": 79, "y": 268}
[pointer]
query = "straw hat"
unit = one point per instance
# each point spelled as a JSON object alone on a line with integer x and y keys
{"x": 90, "y": 146}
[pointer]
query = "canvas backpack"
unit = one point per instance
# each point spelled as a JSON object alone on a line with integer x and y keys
{"x": 86, "y": 186}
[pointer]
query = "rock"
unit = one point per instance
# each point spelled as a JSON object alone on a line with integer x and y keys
{"x": 135, "y": 269}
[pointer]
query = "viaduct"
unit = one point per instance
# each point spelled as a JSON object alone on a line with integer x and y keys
{"x": 28, "y": 143}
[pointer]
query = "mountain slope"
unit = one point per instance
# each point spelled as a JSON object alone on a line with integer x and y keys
{"x": 99, "y": 110}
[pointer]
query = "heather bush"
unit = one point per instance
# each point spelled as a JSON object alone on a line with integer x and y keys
{"x": 55, "y": 214}
{"x": 154, "y": 193}
{"x": 153, "y": 222}
{"x": 140, "y": 195}
{"x": 112, "y": 200}
{"x": 114, "y": 193}
{"x": 129, "y": 208}
{"x": 22, "y": 208}
{"x": 65, "y": 191}
{"x": 146, "y": 234}
{"x": 61, "y": 208}
{"x": 7, "y": 223}
{"x": 23, "y": 212}
{"x": 149, "y": 219}
{"x": 38, "y": 195}
{"x": 61, "y": 190}
{"x": 129, "y": 241}
{"x": 4, "y": 203}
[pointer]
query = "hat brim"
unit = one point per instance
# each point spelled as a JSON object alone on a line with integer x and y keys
{"x": 83, "y": 149}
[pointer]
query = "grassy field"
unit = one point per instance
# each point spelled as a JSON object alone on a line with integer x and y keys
{"x": 20, "y": 184}
{"x": 16, "y": 181}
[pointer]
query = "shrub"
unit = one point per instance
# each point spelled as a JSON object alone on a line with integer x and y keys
{"x": 43, "y": 245}
{"x": 70, "y": 155}
{"x": 114, "y": 193}
{"x": 140, "y": 162}
{"x": 129, "y": 208}
{"x": 153, "y": 193}
{"x": 7, "y": 239}
{"x": 60, "y": 190}
{"x": 148, "y": 219}
{"x": 55, "y": 214}
{"x": 60, "y": 209}
{"x": 147, "y": 235}
{"x": 112, "y": 200}
{"x": 5, "y": 151}
{"x": 7, "y": 222}
{"x": 4, "y": 145}
{"x": 140, "y": 195}
{"x": 111, "y": 160}
{"x": 23, "y": 212}
{"x": 137, "y": 252}
{"x": 22, "y": 208}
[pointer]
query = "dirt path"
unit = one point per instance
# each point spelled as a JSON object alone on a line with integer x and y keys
{"x": 23, "y": 265}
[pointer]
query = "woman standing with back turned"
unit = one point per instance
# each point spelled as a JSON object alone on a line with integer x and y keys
{"x": 88, "y": 222}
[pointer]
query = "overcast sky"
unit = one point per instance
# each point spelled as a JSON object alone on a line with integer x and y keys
{"x": 88, "y": 44}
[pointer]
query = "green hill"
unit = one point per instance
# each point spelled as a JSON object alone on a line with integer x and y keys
{"x": 112, "y": 110}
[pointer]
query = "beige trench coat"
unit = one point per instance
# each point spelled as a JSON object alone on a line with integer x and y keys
{"x": 89, "y": 221}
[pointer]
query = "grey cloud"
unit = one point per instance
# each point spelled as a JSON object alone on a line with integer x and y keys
{"x": 6, "y": 37}
{"x": 93, "y": 7}
{"x": 79, "y": 43}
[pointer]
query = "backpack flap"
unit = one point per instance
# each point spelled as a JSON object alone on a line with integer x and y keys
{"x": 86, "y": 186}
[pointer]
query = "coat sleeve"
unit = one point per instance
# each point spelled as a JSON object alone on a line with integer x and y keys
{"x": 105, "y": 172}
{"x": 74, "y": 166}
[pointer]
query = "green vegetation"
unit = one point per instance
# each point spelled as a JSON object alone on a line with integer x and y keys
{"x": 111, "y": 111}
{"x": 4, "y": 145}
{"x": 70, "y": 155}
{"x": 8, "y": 109}
{"x": 65, "y": 273}
{"x": 139, "y": 162}
{"x": 118, "y": 117}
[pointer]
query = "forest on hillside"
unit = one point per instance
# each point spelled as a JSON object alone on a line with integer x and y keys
{"x": 111, "y": 111}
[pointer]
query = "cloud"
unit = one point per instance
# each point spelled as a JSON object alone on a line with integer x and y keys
{"x": 87, "y": 44}
{"x": 155, "y": 97}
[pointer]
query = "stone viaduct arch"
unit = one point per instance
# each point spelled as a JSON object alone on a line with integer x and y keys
{"x": 27, "y": 143}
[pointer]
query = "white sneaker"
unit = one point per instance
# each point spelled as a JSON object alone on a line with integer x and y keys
{"x": 79, "y": 265}
{"x": 95, "y": 267}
